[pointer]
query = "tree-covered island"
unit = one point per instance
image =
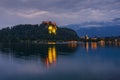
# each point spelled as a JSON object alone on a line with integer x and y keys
{"x": 44, "y": 32}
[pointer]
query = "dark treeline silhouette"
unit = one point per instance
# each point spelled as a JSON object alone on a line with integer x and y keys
{"x": 35, "y": 33}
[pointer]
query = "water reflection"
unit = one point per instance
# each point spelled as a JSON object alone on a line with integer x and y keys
{"x": 69, "y": 61}
{"x": 72, "y": 45}
{"x": 51, "y": 59}
{"x": 46, "y": 53}
{"x": 94, "y": 45}
{"x": 87, "y": 46}
{"x": 102, "y": 43}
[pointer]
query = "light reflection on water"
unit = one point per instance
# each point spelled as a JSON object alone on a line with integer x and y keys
{"x": 85, "y": 61}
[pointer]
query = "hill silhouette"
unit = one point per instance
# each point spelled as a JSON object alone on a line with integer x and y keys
{"x": 46, "y": 31}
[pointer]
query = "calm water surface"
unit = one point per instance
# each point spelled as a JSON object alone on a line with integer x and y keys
{"x": 83, "y": 61}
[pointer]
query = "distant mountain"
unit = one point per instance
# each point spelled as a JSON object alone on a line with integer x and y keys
{"x": 101, "y": 29}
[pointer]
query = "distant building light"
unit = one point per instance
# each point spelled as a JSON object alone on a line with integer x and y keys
{"x": 86, "y": 37}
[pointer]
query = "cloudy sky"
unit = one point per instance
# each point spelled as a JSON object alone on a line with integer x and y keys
{"x": 63, "y": 12}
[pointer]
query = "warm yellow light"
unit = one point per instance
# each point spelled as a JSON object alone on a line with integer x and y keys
{"x": 94, "y": 45}
{"x": 52, "y": 54}
{"x": 52, "y": 29}
{"x": 51, "y": 42}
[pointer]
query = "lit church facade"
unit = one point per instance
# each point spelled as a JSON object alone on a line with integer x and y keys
{"x": 51, "y": 26}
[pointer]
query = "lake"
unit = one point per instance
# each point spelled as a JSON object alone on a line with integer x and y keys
{"x": 71, "y": 61}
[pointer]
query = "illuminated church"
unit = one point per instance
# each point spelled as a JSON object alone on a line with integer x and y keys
{"x": 51, "y": 26}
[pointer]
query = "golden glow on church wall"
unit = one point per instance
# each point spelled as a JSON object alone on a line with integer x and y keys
{"x": 51, "y": 26}
{"x": 52, "y": 29}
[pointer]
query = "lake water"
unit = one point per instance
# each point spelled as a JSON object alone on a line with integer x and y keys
{"x": 83, "y": 61}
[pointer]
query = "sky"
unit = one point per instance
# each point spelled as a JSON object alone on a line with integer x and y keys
{"x": 63, "y": 12}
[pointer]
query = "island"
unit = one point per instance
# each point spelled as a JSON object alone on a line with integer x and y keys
{"x": 47, "y": 31}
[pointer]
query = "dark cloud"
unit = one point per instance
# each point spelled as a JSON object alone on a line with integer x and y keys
{"x": 62, "y": 11}
{"x": 56, "y": 5}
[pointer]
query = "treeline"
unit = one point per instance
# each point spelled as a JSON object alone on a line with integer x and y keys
{"x": 36, "y": 33}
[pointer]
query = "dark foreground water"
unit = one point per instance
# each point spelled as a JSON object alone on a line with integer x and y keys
{"x": 83, "y": 61}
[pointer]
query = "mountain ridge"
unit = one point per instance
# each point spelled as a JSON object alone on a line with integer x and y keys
{"x": 101, "y": 29}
